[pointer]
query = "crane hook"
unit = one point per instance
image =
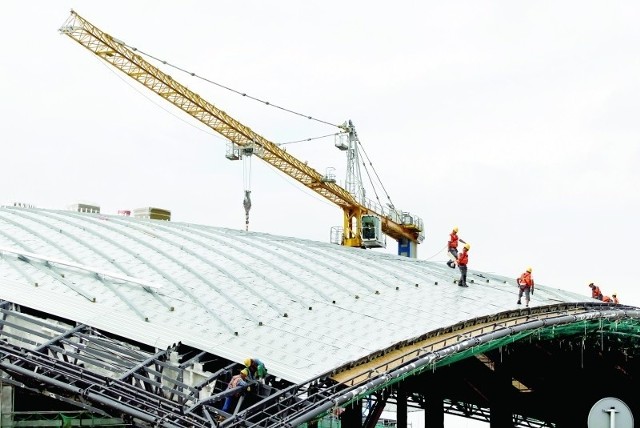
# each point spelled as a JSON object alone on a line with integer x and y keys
{"x": 247, "y": 206}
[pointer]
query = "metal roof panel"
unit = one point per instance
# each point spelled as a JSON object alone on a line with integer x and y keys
{"x": 303, "y": 307}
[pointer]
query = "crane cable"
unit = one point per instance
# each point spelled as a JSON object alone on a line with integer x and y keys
{"x": 246, "y": 159}
{"x": 310, "y": 139}
{"x": 244, "y": 94}
{"x": 377, "y": 177}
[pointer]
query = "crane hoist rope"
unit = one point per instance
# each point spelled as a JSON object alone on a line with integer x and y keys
{"x": 364, "y": 221}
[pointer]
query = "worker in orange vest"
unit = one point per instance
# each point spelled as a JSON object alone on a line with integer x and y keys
{"x": 463, "y": 259}
{"x": 525, "y": 283}
{"x": 607, "y": 299}
{"x": 452, "y": 246}
{"x": 595, "y": 291}
{"x": 614, "y": 298}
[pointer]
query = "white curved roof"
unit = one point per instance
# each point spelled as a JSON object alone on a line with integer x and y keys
{"x": 303, "y": 307}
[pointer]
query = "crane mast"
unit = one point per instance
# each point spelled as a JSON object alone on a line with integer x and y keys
{"x": 408, "y": 230}
{"x": 353, "y": 182}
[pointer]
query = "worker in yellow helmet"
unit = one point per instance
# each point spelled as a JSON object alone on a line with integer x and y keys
{"x": 452, "y": 247}
{"x": 239, "y": 380}
{"x": 257, "y": 369}
{"x": 525, "y": 284}
{"x": 463, "y": 259}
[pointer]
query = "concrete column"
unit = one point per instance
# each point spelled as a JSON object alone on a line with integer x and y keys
{"x": 434, "y": 410}
{"x": 500, "y": 398}
{"x": 401, "y": 406}
{"x": 6, "y": 404}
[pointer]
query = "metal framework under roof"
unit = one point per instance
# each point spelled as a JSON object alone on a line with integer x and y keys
{"x": 107, "y": 376}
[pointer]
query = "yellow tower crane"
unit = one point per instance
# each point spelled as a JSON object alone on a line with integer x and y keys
{"x": 364, "y": 222}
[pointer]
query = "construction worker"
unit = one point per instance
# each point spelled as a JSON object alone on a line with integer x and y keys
{"x": 463, "y": 259}
{"x": 595, "y": 291}
{"x": 256, "y": 368}
{"x": 236, "y": 381}
{"x": 607, "y": 299}
{"x": 525, "y": 284}
{"x": 614, "y": 298}
{"x": 452, "y": 246}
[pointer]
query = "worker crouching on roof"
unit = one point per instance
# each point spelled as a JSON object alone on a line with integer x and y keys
{"x": 525, "y": 283}
{"x": 256, "y": 368}
{"x": 595, "y": 291}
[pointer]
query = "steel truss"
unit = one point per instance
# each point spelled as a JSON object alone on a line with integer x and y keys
{"x": 309, "y": 400}
{"x": 106, "y": 376}
{"x": 115, "y": 378}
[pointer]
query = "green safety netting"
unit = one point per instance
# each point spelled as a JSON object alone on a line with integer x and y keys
{"x": 65, "y": 420}
{"x": 86, "y": 419}
{"x": 335, "y": 423}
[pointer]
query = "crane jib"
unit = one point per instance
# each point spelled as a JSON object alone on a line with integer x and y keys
{"x": 401, "y": 226}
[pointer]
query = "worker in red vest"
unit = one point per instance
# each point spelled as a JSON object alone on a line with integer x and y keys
{"x": 595, "y": 291}
{"x": 463, "y": 259}
{"x": 452, "y": 246}
{"x": 525, "y": 284}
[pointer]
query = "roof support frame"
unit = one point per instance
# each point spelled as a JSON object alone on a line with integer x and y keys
{"x": 204, "y": 280}
{"x": 13, "y": 262}
{"x": 173, "y": 259}
{"x": 298, "y": 413}
{"x": 275, "y": 267}
{"x": 59, "y": 276}
{"x": 288, "y": 407}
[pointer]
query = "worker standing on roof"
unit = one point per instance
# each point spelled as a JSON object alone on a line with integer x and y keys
{"x": 525, "y": 283}
{"x": 256, "y": 368}
{"x": 452, "y": 246}
{"x": 595, "y": 291}
{"x": 614, "y": 298}
{"x": 463, "y": 259}
{"x": 236, "y": 381}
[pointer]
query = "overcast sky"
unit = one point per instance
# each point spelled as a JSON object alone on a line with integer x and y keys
{"x": 515, "y": 121}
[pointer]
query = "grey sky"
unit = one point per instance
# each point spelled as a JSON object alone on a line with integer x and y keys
{"x": 516, "y": 121}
